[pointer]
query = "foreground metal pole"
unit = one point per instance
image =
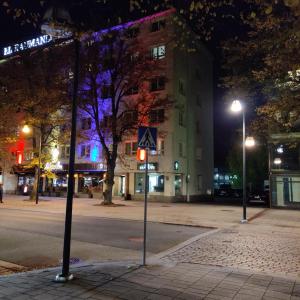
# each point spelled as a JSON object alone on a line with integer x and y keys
{"x": 244, "y": 219}
{"x": 39, "y": 169}
{"x": 145, "y": 210}
{"x": 65, "y": 275}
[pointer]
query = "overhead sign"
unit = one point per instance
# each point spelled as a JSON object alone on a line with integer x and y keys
{"x": 147, "y": 137}
{"x": 33, "y": 43}
{"x": 151, "y": 167}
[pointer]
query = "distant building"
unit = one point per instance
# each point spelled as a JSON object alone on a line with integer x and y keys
{"x": 284, "y": 168}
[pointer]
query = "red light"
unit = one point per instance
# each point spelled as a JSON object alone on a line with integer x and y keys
{"x": 19, "y": 158}
{"x": 141, "y": 154}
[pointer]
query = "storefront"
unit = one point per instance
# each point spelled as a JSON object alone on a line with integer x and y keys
{"x": 284, "y": 162}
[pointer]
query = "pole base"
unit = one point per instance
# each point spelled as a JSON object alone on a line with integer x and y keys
{"x": 244, "y": 221}
{"x": 60, "y": 278}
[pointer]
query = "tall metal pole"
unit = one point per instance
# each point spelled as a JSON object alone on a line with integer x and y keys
{"x": 65, "y": 275}
{"x": 39, "y": 169}
{"x": 145, "y": 209}
{"x": 244, "y": 219}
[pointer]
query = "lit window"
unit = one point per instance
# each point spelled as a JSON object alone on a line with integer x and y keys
{"x": 158, "y": 25}
{"x": 158, "y": 52}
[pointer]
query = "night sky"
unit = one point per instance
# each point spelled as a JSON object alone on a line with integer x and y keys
{"x": 224, "y": 123}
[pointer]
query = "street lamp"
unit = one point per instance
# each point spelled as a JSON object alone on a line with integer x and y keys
{"x": 237, "y": 107}
{"x": 26, "y": 130}
{"x": 57, "y": 23}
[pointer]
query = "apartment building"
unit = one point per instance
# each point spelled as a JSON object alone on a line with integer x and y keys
{"x": 182, "y": 166}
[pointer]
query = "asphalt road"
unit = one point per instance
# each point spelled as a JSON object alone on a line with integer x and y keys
{"x": 35, "y": 239}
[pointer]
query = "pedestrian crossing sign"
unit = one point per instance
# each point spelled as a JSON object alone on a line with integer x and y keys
{"x": 147, "y": 137}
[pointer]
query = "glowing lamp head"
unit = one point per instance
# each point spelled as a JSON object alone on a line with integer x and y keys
{"x": 55, "y": 153}
{"x": 277, "y": 161}
{"x": 250, "y": 142}
{"x": 26, "y": 129}
{"x": 236, "y": 106}
{"x": 141, "y": 154}
{"x": 279, "y": 150}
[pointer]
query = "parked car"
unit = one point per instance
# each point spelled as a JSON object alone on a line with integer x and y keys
{"x": 226, "y": 190}
{"x": 258, "y": 197}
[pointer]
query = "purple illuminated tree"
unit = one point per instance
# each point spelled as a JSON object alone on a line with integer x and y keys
{"x": 115, "y": 91}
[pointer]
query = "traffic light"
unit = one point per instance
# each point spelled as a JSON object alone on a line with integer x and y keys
{"x": 141, "y": 154}
{"x": 19, "y": 157}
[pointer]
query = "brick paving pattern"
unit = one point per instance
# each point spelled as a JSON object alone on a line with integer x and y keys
{"x": 163, "y": 282}
{"x": 272, "y": 252}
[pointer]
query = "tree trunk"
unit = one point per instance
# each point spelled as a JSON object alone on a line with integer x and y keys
{"x": 34, "y": 193}
{"x": 109, "y": 181}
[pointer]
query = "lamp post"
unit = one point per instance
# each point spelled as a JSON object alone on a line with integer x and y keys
{"x": 237, "y": 107}
{"x": 58, "y": 24}
{"x": 26, "y": 130}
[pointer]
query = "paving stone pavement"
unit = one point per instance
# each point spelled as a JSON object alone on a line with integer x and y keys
{"x": 179, "y": 281}
{"x": 272, "y": 252}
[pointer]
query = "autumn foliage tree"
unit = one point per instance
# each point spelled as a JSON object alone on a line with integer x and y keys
{"x": 263, "y": 65}
{"x": 115, "y": 91}
{"x": 35, "y": 88}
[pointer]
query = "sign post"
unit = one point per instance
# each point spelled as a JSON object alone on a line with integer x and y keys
{"x": 146, "y": 140}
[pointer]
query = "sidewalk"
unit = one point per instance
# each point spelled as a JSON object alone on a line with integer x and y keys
{"x": 194, "y": 214}
{"x": 157, "y": 281}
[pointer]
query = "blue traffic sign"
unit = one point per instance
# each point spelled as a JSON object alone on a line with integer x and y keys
{"x": 147, "y": 137}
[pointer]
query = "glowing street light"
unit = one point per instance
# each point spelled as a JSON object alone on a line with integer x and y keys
{"x": 237, "y": 107}
{"x": 26, "y": 129}
{"x": 277, "y": 161}
{"x": 250, "y": 142}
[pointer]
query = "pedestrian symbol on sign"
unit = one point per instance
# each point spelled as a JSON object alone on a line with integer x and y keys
{"x": 147, "y": 137}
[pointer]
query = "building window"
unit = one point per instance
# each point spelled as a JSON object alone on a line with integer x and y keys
{"x": 181, "y": 87}
{"x": 133, "y": 32}
{"x": 199, "y": 153}
{"x": 158, "y": 52}
{"x": 197, "y": 74}
{"x": 130, "y": 117}
{"x": 199, "y": 183}
{"x": 160, "y": 148}
{"x": 157, "y": 84}
{"x": 198, "y": 100}
{"x": 156, "y": 183}
{"x": 197, "y": 125}
{"x": 158, "y": 25}
{"x": 64, "y": 151}
{"x": 180, "y": 118}
{"x": 131, "y": 148}
{"x": 157, "y": 116}
{"x": 106, "y": 121}
{"x": 86, "y": 123}
{"x": 85, "y": 150}
{"x": 106, "y": 92}
{"x": 180, "y": 149}
{"x": 132, "y": 91}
